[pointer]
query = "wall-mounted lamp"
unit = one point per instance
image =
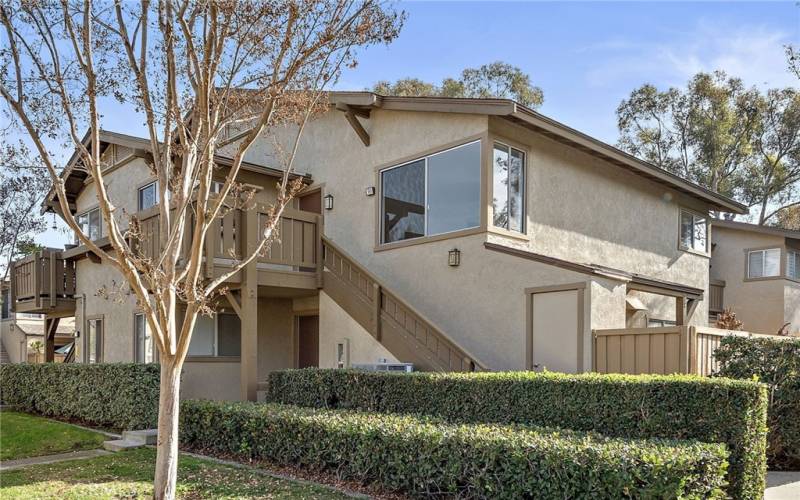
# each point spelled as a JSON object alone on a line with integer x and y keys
{"x": 54, "y": 222}
{"x": 454, "y": 257}
{"x": 328, "y": 202}
{"x": 370, "y": 191}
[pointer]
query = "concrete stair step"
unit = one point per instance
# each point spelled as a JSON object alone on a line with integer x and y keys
{"x": 120, "y": 445}
{"x": 145, "y": 436}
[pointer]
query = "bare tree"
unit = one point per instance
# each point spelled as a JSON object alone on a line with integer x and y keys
{"x": 22, "y": 188}
{"x": 205, "y": 75}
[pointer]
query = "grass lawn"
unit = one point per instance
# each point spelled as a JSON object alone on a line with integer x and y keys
{"x": 23, "y": 435}
{"x": 129, "y": 474}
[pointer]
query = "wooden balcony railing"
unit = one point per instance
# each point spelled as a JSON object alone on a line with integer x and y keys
{"x": 296, "y": 247}
{"x": 43, "y": 283}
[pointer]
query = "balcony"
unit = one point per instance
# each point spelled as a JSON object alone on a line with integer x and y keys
{"x": 292, "y": 261}
{"x": 43, "y": 283}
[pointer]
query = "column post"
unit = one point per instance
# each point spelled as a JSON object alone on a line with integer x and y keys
{"x": 249, "y": 305}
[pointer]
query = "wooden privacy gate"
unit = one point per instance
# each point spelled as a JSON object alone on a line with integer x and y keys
{"x": 667, "y": 350}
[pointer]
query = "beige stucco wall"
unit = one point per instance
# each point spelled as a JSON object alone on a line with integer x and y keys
{"x": 337, "y": 326}
{"x": 791, "y": 306}
{"x": 210, "y": 380}
{"x": 579, "y": 209}
{"x": 116, "y": 310}
{"x": 760, "y": 305}
{"x": 13, "y": 340}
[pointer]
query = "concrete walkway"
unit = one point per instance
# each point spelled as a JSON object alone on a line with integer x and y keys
{"x": 51, "y": 459}
{"x": 782, "y": 485}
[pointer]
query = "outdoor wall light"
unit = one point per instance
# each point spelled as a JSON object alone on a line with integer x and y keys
{"x": 370, "y": 191}
{"x": 454, "y": 257}
{"x": 328, "y": 202}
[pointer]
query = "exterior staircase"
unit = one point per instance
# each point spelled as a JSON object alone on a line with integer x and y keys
{"x": 4, "y": 359}
{"x": 390, "y": 320}
{"x": 132, "y": 439}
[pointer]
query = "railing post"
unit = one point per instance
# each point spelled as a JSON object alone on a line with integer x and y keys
{"x": 320, "y": 252}
{"x": 376, "y": 312}
{"x": 12, "y": 293}
{"x": 683, "y": 356}
{"x": 52, "y": 258}
{"x": 694, "y": 368}
{"x": 37, "y": 287}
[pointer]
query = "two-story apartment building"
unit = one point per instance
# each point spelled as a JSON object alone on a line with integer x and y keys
{"x": 755, "y": 271}
{"x": 454, "y": 234}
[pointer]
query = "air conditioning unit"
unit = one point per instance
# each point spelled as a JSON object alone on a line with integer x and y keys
{"x": 385, "y": 367}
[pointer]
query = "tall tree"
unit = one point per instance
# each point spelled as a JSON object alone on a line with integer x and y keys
{"x": 196, "y": 69}
{"x": 497, "y": 79}
{"x": 22, "y": 188}
{"x": 703, "y": 133}
{"x": 770, "y": 180}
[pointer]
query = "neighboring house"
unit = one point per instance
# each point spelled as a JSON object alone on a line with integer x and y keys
{"x": 459, "y": 234}
{"x": 756, "y": 273}
{"x": 20, "y": 331}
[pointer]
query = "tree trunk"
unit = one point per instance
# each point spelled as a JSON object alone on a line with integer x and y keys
{"x": 168, "y": 413}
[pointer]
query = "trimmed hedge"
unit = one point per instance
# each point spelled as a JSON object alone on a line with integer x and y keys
{"x": 116, "y": 395}
{"x": 425, "y": 457}
{"x": 679, "y": 407}
{"x": 776, "y": 362}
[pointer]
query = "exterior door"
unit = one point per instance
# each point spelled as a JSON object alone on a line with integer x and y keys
{"x": 308, "y": 341}
{"x": 556, "y": 331}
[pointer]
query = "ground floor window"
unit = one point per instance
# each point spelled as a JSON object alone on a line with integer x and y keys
{"x": 143, "y": 340}
{"x": 217, "y": 335}
{"x": 94, "y": 340}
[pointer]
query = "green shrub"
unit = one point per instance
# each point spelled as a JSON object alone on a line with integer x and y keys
{"x": 775, "y": 362}
{"x": 425, "y": 457}
{"x": 680, "y": 407}
{"x": 117, "y": 396}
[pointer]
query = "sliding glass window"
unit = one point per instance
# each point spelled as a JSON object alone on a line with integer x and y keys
{"x": 508, "y": 188}
{"x": 437, "y": 194}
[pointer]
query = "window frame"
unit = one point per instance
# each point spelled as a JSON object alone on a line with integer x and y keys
{"x": 216, "y": 356}
{"x": 796, "y": 253}
{"x": 154, "y": 184}
{"x": 136, "y": 352}
{"x": 763, "y": 250}
{"x": 490, "y": 187}
{"x": 99, "y": 341}
{"x": 695, "y": 214}
{"x": 87, "y": 213}
{"x": 384, "y": 245}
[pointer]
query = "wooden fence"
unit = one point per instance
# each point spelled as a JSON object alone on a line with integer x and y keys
{"x": 673, "y": 349}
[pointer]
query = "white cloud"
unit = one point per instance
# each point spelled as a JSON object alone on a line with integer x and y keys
{"x": 753, "y": 53}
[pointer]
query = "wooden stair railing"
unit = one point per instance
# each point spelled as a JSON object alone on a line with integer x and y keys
{"x": 391, "y": 321}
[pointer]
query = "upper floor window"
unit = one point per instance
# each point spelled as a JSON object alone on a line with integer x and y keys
{"x": 793, "y": 264}
{"x": 91, "y": 224}
{"x": 694, "y": 231}
{"x": 764, "y": 263}
{"x": 508, "y": 188}
{"x": 437, "y": 194}
{"x": 148, "y": 196}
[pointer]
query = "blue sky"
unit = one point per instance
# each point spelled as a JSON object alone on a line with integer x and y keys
{"x": 586, "y": 56}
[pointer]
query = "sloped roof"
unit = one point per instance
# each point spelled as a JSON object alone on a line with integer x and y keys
{"x": 755, "y": 228}
{"x": 528, "y": 118}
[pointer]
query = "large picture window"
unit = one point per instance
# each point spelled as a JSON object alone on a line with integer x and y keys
{"x": 437, "y": 194}
{"x": 694, "y": 231}
{"x": 764, "y": 263}
{"x": 218, "y": 335}
{"x": 508, "y": 188}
